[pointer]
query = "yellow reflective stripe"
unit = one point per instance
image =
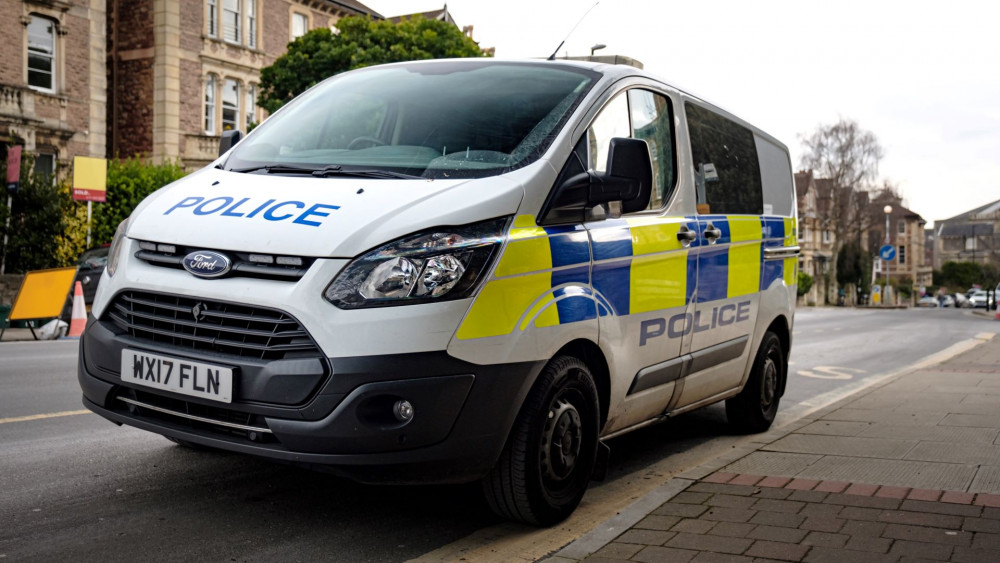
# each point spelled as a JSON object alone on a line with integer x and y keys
{"x": 744, "y": 255}
{"x": 522, "y": 221}
{"x": 658, "y": 282}
{"x": 654, "y": 234}
{"x": 791, "y": 231}
{"x": 549, "y": 317}
{"x": 791, "y": 271}
{"x": 744, "y": 229}
{"x": 525, "y": 255}
{"x": 791, "y": 267}
{"x": 501, "y": 303}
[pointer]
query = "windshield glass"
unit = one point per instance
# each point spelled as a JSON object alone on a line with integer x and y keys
{"x": 440, "y": 119}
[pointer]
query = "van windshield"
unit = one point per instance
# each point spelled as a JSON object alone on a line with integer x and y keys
{"x": 439, "y": 119}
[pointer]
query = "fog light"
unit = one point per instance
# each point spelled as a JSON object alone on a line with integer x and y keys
{"x": 403, "y": 410}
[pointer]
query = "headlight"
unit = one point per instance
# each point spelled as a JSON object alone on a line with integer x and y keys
{"x": 116, "y": 247}
{"x": 437, "y": 265}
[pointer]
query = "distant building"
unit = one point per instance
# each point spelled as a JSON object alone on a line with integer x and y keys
{"x": 817, "y": 242}
{"x": 973, "y": 236}
{"x": 53, "y": 80}
{"x": 443, "y": 15}
{"x": 182, "y": 71}
{"x": 906, "y": 233}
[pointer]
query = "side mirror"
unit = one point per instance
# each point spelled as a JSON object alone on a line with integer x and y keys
{"x": 583, "y": 195}
{"x": 629, "y": 176}
{"x": 228, "y": 139}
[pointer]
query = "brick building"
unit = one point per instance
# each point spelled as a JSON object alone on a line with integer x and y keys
{"x": 53, "y": 80}
{"x": 182, "y": 71}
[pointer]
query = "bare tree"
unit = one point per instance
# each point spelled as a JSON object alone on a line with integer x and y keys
{"x": 847, "y": 156}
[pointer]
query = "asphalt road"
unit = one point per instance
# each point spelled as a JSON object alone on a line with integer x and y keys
{"x": 76, "y": 487}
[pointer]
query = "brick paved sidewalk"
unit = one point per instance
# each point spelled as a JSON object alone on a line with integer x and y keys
{"x": 783, "y": 519}
{"x": 906, "y": 469}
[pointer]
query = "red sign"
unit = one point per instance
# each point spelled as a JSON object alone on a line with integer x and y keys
{"x": 13, "y": 168}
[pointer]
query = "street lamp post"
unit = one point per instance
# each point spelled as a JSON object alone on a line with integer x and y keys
{"x": 597, "y": 47}
{"x": 887, "y": 209}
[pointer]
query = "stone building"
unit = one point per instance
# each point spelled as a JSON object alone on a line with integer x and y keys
{"x": 182, "y": 71}
{"x": 973, "y": 236}
{"x": 815, "y": 239}
{"x": 53, "y": 80}
{"x": 906, "y": 233}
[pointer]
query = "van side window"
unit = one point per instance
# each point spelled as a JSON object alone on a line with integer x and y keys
{"x": 726, "y": 170}
{"x": 653, "y": 122}
{"x": 640, "y": 114}
{"x": 610, "y": 123}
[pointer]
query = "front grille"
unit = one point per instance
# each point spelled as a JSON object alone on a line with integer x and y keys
{"x": 212, "y": 326}
{"x": 245, "y": 264}
{"x": 218, "y": 420}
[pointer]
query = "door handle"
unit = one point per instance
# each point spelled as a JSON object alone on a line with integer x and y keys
{"x": 686, "y": 235}
{"x": 712, "y": 235}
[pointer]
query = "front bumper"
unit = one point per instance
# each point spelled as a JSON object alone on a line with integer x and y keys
{"x": 339, "y": 419}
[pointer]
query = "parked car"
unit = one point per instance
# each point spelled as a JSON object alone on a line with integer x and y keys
{"x": 946, "y": 300}
{"x": 928, "y": 301}
{"x": 90, "y": 267}
{"x": 978, "y": 299}
{"x": 961, "y": 300}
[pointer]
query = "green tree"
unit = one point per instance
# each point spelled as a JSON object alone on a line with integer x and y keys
{"x": 959, "y": 276}
{"x": 805, "y": 283}
{"x": 358, "y": 42}
{"x": 129, "y": 182}
{"x": 36, "y": 222}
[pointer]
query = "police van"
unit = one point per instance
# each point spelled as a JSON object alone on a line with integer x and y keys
{"x": 458, "y": 270}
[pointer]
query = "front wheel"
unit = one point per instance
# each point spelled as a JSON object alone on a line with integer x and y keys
{"x": 546, "y": 465}
{"x": 753, "y": 410}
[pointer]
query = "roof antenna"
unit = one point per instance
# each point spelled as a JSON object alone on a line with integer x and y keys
{"x": 552, "y": 57}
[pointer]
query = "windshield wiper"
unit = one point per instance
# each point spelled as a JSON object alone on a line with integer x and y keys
{"x": 275, "y": 169}
{"x": 336, "y": 171}
{"x": 331, "y": 170}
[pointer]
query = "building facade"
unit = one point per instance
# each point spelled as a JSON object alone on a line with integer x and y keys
{"x": 180, "y": 72}
{"x": 817, "y": 241}
{"x": 53, "y": 80}
{"x": 973, "y": 236}
{"x": 907, "y": 234}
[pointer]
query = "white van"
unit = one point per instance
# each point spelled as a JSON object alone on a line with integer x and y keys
{"x": 456, "y": 270}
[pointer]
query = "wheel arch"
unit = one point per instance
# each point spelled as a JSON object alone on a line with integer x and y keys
{"x": 591, "y": 354}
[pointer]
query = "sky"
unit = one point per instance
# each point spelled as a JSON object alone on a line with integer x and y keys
{"x": 924, "y": 77}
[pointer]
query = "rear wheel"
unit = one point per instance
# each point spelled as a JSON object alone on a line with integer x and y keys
{"x": 753, "y": 410}
{"x": 546, "y": 465}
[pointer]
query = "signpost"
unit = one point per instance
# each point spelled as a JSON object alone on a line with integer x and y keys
{"x": 90, "y": 183}
{"x": 13, "y": 182}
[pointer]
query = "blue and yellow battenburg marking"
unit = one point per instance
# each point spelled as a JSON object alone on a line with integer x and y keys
{"x": 638, "y": 266}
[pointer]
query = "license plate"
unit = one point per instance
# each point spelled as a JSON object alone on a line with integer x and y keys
{"x": 196, "y": 379}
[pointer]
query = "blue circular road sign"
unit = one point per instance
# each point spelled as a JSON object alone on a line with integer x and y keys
{"x": 887, "y": 252}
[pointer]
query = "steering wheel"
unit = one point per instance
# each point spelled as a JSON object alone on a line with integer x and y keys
{"x": 361, "y": 140}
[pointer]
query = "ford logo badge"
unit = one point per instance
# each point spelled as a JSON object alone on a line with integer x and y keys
{"x": 207, "y": 264}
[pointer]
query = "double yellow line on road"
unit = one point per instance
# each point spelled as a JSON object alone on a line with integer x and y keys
{"x": 41, "y": 416}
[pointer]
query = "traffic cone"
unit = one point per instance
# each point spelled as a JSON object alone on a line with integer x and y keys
{"x": 78, "y": 321}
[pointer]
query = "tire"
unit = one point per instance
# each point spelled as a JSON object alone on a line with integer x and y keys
{"x": 547, "y": 462}
{"x": 753, "y": 410}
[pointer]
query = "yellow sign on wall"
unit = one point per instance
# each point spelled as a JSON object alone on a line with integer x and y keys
{"x": 90, "y": 179}
{"x": 43, "y": 294}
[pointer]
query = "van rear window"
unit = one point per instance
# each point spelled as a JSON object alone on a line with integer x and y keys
{"x": 727, "y": 173}
{"x": 441, "y": 119}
